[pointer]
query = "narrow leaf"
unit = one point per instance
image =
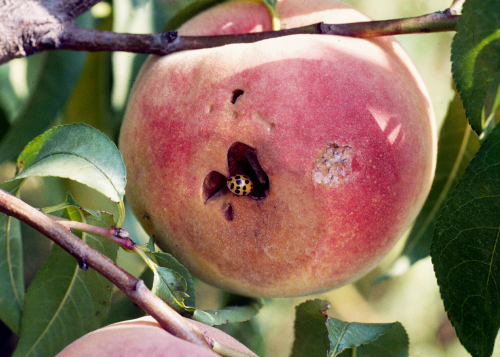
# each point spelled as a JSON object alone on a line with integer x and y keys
{"x": 476, "y": 57}
{"x": 64, "y": 302}
{"x": 230, "y": 314}
{"x": 11, "y": 267}
{"x": 464, "y": 251}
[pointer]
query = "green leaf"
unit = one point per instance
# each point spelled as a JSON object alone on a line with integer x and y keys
{"x": 151, "y": 245}
{"x": 9, "y": 101}
{"x": 248, "y": 333}
{"x": 311, "y": 334}
{"x": 457, "y": 145}
{"x": 11, "y": 267}
{"x": 126, "y": 309}
{"x": 168, "y": 261}
{"x": 317, "y": 334}
{"x": 64, "y": 302}
{"x": 464, "y": 251}
{"x": 170, "y": 287}
{"x": 81, "y": 153}
{"x": 475, "y": 55}
{"x": 344, "y": 335}
{"x": 229, "y": 314}
{"x": 271, "y": 3}
{"x": 393, "y": 343}
{"x": 61, "y": 70}
{"x": 189, "y": 12}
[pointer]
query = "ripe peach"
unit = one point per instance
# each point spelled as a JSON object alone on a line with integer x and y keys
{"x": 337, "y": 134}
{"x": 145, "y": 338}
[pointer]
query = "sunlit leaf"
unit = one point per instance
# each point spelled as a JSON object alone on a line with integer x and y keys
{"x": 464, "y": 251}
{"x": 78, "y": 152}
{"x": 476, "y": 58}
{"x": 64, "y": 301}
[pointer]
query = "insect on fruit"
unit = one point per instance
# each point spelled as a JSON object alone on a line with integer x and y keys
{"x": 240, "y": 185}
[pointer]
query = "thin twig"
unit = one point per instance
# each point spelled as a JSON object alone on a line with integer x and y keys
{"x": 117, "y": 235}
{"x": 82, "y": 39}
{"x": 133, "y": 287}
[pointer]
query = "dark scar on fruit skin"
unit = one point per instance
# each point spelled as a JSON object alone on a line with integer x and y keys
{"x": 227, "y": 209}
{"x": 236, "y": 94}
{"x": 242, "y": 159}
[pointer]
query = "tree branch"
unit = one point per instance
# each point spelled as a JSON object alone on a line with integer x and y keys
{"x": 51, "y": 26}
{"x": 133, "y": 287}
{"x": 81, "y": 39}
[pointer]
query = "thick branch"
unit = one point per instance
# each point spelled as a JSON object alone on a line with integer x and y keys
{"x": 29, "y": 26}
{"x": 86, "y": 256}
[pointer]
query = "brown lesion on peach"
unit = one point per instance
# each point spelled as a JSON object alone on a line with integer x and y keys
{"x": 333, "y": 165}
{"x": 227, "y": 209}
{"x": 236, "y": 94}
{"x": 241, "y": 160}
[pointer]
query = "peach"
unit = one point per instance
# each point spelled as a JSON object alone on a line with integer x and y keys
{"x": 144, "y": 337}
{"x": 337, "y": 134}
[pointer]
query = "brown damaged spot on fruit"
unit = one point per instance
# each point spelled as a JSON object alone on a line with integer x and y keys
{"x": 333, "y": 165}
{"x": 227, "y": 209}
{"x": 236, "y": 94}
{"x": 242, "y": 160}
{"x": 213, "y": 184}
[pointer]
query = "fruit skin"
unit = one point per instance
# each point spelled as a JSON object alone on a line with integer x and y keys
{"x": 144, "y": 337}
{"x": 343, "y": 127}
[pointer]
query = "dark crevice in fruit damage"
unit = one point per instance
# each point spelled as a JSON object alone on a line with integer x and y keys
{"x": 241, "y": 160}
{"x": 213, "y": 184}
{"x": 236, "y": 94}
{"x": 227, "y": 209}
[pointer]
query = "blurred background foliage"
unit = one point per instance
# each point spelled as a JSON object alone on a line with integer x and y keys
{"x": 66, "y": 87}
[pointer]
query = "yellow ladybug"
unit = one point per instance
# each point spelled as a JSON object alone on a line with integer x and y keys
{"x": 240, "y": 185}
